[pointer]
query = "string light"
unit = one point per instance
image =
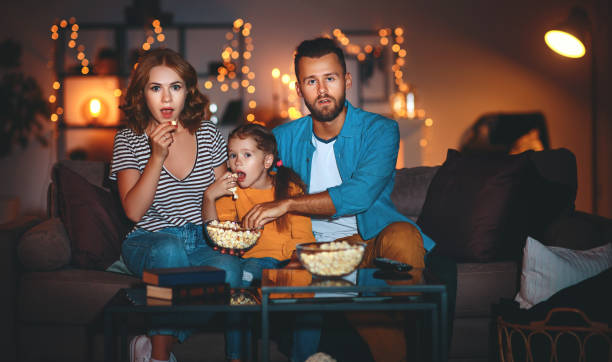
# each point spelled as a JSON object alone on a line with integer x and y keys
{"x": 395, "y": 38}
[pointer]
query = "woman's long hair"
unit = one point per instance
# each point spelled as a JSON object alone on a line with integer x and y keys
{"x": 284, "y": 176}
{"x": 135, "y": 105}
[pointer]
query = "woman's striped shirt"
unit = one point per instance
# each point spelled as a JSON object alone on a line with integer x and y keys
{"x": 176, "y": 202}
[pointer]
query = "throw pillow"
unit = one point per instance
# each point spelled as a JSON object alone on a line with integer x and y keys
{"x": 547, "y": 270}
{"x": 475, "y": 209}
{"x": 554, "y": 189}
{"x": 45, "y": 246}
{"x": 94, "y": 220}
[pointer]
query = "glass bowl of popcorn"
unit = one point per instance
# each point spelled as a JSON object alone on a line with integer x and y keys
{"x": 331, "y": 259}
{"x": 230, "y": 235}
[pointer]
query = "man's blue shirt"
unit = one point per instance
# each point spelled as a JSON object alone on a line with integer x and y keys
{"x": 366, "y": 153}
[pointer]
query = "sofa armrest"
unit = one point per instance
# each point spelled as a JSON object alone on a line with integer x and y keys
{"x": 9, "y": 237}
{"x": 579, "y": 231}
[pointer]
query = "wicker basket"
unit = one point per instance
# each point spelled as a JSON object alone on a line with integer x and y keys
{"x": 546, "y": 340}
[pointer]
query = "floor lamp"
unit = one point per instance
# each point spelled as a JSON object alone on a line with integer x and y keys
{"x": 569, "y": 39}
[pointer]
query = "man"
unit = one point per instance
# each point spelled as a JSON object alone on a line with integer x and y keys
{"x": 347, "y": 158}
{"x": 352, "y": 156}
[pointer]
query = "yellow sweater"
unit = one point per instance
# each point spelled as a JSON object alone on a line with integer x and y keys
{"x": 272, "y": 243}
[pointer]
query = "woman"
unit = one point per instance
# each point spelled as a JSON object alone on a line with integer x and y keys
{"x": 163, "y": 162}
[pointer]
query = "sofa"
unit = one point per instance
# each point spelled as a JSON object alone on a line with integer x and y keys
{"x": 53, "y": 298}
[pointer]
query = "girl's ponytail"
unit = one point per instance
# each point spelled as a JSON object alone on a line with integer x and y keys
{"x": 284, "y": 178}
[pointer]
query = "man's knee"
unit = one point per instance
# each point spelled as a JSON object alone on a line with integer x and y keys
{"x": 401, "y": 241}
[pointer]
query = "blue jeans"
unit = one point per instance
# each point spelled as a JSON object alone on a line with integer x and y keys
{"x": 252, "y": 268}
{"x": 182, "y": 246}
{"x": 306, "y": 329}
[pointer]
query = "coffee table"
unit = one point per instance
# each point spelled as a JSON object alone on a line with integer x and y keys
{"x": 286, "y": 290}
{"x": 368, "y": 294}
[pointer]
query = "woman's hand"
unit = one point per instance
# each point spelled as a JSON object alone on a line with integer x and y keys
{"x": 161, "y": 139}
{"x": 220, "y": 187}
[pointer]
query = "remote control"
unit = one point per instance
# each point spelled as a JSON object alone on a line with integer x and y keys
{"x": 389, "y": 264}
{"x": 391, "y": 275}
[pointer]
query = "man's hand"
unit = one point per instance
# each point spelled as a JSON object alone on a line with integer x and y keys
{"x": 262, "y": 214}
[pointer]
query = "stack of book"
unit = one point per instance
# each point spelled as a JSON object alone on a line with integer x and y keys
{"x": 168, "y": 286}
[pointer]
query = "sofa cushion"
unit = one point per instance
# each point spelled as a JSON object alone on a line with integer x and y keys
{"x": 410, "y": 189}
{"x": 93, "y": 218}
{"x": 481, "y": 284}
{"x": 476, "y": 206}
{"x": 547, "y": 270}
{"x": 45, "y": 246}
{"x": 555, "y": 185}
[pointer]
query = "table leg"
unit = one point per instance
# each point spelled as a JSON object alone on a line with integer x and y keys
{"x": 444, "y": 326}
{"x": 123, "y": 334}
{"x": 435, "y": 335}
{"x": 265, "y": 329}
{"x": 109, "y": 350}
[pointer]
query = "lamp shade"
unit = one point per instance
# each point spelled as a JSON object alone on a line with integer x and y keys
{"x": 570, "y": 37}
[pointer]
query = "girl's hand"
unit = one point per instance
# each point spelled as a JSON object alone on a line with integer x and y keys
{"x": 221, "y": 187}
{"x": 161, "y": 139}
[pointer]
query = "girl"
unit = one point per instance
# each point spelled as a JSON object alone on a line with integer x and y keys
{"x": 252, "y": 152}
{"x": 163, "y": 162}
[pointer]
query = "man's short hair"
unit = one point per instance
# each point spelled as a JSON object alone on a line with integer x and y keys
{"x": 316, "y": 48}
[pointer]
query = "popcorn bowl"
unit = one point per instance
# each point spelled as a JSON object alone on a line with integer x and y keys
{"x": 230, "y": 235}
{"x": 331, "y": 259}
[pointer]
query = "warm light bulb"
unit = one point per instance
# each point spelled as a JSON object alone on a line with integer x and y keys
{"x": 95, "y": 107}
{"x": 285, "y": 78}
{"x": 564, "y": 43}
{"x": 276, "y": 73}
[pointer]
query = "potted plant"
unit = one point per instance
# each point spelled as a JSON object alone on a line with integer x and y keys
{"x": 21, "y": 100}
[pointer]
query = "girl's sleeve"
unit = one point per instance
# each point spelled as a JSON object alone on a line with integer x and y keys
{"x": 301, "y": 230}
{"x": 226, "y": 209}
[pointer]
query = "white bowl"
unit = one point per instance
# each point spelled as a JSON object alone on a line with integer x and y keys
{"x": 331, "y": 259}
{"x": 230, "y": 235}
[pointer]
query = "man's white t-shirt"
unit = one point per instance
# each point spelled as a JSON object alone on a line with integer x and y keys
{"x": 323, "y": 175}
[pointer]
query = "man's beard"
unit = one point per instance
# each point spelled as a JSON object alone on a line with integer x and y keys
{"x": 326, "y": 115}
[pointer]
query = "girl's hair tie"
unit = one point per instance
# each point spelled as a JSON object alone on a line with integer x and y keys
{"x": 279, "y": 163}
